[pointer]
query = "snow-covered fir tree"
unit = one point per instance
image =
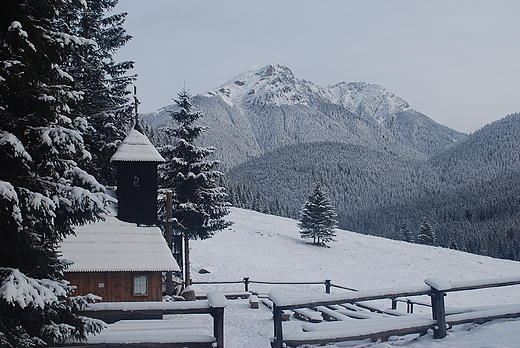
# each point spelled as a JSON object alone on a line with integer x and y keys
{"x": 43, "y": 190}
{"x": 406, "y": 234}
{"x": 426, "y": 234}
{"x": 199, "y": 203}
{"x": 105, "y": 103}
{"x": 317, "y": 218}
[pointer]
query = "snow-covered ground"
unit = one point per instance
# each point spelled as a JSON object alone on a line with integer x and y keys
{"x": 268, "y": 248}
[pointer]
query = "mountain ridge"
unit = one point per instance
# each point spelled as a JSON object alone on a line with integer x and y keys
{"x": 265, "y": 108}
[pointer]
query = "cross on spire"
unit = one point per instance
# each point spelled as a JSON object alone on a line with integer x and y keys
{"x": 137, "y": 126}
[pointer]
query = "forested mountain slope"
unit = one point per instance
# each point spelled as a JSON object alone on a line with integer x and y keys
{"x": 356, "y": 176}
{"x": 469, "y": 193}
{"x": 484, "y": 155}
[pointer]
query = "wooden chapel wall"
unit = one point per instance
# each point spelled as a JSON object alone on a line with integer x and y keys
{"x": 115, "y": 286}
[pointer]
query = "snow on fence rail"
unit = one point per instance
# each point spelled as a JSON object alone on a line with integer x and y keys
{"x": 328, "y": 286}
{"x": 246, "y": 281}
{"x": 436, "y": 289}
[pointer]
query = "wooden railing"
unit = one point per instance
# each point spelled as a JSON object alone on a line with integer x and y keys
{"x": 328, "y": 286}
{"x": 247, "y": 281}
{"x": 111, "y": 312}
{"x": 436, "y": 289}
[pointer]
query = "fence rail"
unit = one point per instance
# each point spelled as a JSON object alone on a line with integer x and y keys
{"x": 247, "y": 281}
{"x": 111, "y": 312}
{"x": 436, "y": 289}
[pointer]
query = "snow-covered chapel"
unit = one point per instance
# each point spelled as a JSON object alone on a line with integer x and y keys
{"x": 119, "y": 259}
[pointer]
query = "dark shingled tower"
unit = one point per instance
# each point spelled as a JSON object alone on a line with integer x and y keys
{"x": 136, "y": 160}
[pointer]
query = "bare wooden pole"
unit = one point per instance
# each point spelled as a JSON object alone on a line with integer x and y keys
{"x": 187, "y": 277}
{"x": 278, "y": 329}
{"x": 169, "y": 239}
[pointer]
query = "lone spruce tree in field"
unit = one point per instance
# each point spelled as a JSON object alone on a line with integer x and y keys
{"x": 199, "y": 204}
{"x": 426, "y": 234}
{"x": 317, "y": 218}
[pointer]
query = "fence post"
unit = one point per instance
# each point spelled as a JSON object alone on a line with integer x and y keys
{"x": 327, "y": 286}
{"x": 278, "y": 331}
{"x": 218, "y": 325}
{"x": 409, "y": 306}
{"x": 246, "y": 284}
{"x": 438, "y": 313}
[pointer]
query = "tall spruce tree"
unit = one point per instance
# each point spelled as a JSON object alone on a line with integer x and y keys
{"x": 43, "y": 191}
{"x": 199, "y": 203}
{"x": 317, "y": 218}
{"x": 426, "y": 234}
{"x": 105, "y": 104}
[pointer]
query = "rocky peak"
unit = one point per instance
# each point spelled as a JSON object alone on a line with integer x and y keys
{"x": 276, "y": 73}
{"x": 367, "y": 100}
{"x": 272, "y": 84}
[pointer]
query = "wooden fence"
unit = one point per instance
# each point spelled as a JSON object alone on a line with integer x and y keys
{"x": 111, "y": 312}
{"x": 247, "y": 281}
{"x": 436, "y": 289}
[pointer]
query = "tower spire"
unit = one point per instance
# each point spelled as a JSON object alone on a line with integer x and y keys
{"x": 137, "y": 126}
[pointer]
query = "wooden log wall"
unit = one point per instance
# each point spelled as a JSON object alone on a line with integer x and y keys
{"x": 115, "y": 286}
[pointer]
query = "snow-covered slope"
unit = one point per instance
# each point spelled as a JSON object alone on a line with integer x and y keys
{"x": 268, "y": 248}
{"x": 368, "y": 100}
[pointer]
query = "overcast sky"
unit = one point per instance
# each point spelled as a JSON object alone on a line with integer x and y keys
{"x": 457, "y": 61}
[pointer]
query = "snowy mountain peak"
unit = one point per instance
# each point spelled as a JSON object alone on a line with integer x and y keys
{"x": 367, "y": 100}
{"x": 267, "y": 107}
{"x": 279, "y": 72}
{"x": 272, "y": 84}
{"x": 276, "y": 85}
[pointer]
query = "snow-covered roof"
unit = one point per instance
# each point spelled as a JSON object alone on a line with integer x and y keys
{"x": 113, "y": 245}
{"x": 136, "y": 148}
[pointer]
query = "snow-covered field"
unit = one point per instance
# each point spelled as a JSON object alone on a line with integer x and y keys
{"x": 268, "y": 248}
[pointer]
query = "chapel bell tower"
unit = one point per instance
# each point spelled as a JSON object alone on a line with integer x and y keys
{"x": 136, "y": 161}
